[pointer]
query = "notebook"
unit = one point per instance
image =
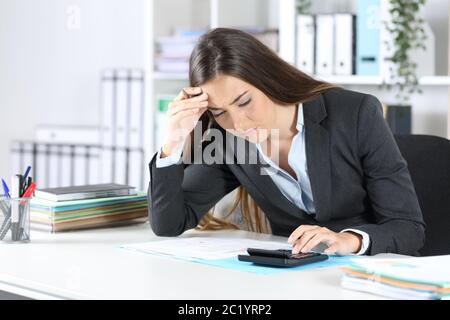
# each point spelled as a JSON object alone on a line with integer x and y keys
{"x": 401, "y": 278}
{"x": 85, "y": 192}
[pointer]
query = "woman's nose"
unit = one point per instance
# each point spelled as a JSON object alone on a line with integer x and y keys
{"x": 238, "y": 119}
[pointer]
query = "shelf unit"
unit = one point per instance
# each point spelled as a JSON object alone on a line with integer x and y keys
{"x": 280, "y": 14}
{"x": 196, "y": 14}
{"x": 344, "y": 80}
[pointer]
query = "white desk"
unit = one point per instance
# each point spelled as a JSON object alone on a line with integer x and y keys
{"x": 89, "y": 265}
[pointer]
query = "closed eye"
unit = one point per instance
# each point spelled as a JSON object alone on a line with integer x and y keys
{"x": 245, "y": 103}
{"x": 217, "y": 114}
{"x": 240, "y": 105}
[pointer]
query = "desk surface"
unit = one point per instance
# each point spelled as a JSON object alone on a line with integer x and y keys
{"x": 89, "y": 265}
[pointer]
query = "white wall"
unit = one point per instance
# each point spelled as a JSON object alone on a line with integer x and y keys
{"x": 50, "y": 73}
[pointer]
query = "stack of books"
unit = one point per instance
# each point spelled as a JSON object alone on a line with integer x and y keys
{"x": 71, "y": 208}
{"x": 173, "y": 52}
{"x": 404, "y": 278}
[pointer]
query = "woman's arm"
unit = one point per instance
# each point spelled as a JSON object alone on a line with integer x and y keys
{"x": 179, "y": 197}
{"x": 399, "y": 226}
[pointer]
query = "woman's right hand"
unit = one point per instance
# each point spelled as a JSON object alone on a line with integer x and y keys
{"x": 182, "y": 116}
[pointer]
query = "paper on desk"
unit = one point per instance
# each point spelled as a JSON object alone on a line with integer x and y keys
{"x": 205, "y": 248}
{"x": 222, "y": 252}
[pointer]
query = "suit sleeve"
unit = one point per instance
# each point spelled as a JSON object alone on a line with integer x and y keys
{"x": 180, "y": 196}
{"x": 399, "y": 226}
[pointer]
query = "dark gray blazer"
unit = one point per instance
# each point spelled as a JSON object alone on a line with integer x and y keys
{"x": 358, "y": 178}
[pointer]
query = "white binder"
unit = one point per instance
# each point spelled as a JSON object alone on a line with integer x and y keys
{"x": 287, "y": 30}
{"x": 344, "y": 44}
{"x": 67, "y": 134}
{"x": 92, "y": 172}
{"x": 122, "y": 115}
{"x": 79, "y": 136}
{"x": 122, "y": 127}
{"x": 41, "y": 169}
{"x": 66, "y": 167}
{"x": 305, "y": 43}
{"x": 21, "y": 156}
{"x": 107, "y": 115}
{"x": 80, "y": 165}
{"x": 136, "y": 110}
{"x": 324, "y": 44}
{"x": 136, "y": 132}
{"x": 54, "y": 161}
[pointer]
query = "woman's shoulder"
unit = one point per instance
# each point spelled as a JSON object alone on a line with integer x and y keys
{"x": 341, "y": 95}
{"x": 344, "y": 109}
{"x": 344, "y": 101}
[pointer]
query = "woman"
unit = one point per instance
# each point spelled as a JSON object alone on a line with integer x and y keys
{"x": 337, "y": 177}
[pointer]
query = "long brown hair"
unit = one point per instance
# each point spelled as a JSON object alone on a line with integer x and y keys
{"x": 236, "y": 53}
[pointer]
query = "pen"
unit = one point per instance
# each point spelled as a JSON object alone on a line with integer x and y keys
{"x": 15, "y": 209}
{"x": 5, "y": 188}
{"x": 22, "y": 219}
{"x": 21, "y": 185}
{"x": 27, "y": 172}
{"x": 24, "y": 184}
{"x": 3, "y": 206}
{"x": 29, "y": 191}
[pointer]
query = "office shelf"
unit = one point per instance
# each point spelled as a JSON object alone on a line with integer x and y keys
{"x": 270, "y": 13}
{"x": 169, "y": 76}
{"x": 443, "y": 81}
{"x": 196, "y": 14}
{"x": 435, "y": 81}
{"x": 337, "y": 79}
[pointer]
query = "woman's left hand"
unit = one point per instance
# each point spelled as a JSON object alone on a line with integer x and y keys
{"x": 306, "y": 237}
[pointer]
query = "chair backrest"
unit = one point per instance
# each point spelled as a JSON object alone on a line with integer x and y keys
{"x": 428, "y": 159}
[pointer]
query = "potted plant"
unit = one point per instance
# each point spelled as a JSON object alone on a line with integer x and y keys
{"x": 303, "y": 6}
{"x": 407, "y": 32}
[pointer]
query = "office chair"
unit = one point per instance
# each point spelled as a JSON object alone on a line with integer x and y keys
{"x": 428, "y": 159}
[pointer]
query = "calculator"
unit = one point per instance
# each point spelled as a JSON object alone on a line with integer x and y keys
{"x": 280, "y": 257}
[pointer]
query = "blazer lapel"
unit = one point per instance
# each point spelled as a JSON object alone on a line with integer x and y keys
{"x": 318, "y": 163}
{"x": 255, "y": 172}
{"x": 318, "y": 156}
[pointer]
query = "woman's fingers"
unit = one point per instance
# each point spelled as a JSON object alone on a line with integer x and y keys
{"x": 183, "y": 114}
{"x": 189, "y": 113}
{"x": 193, "y": 103}
{"x": 304, "y": 239}
{"x": 332, "y": 249}
{"x": 324, "y": 237}
{"x": 297, "y": 233}
{"x": 188, "y": 91}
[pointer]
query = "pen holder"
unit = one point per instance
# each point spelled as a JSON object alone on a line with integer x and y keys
{"x": 14, "y": 219}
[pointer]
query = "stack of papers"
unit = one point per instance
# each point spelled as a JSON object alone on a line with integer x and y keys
{"x": 70, "y": 215}
{"x": 408, "y": 278}
{"x": 223, "y": 252}
{"x": 205, "y": 248}
{"x": 174, "y": 51}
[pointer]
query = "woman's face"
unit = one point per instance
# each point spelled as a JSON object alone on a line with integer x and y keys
{"x": 240, "y": 108}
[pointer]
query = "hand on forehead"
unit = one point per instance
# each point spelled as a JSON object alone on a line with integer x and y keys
{"x": 223, "y": 90}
